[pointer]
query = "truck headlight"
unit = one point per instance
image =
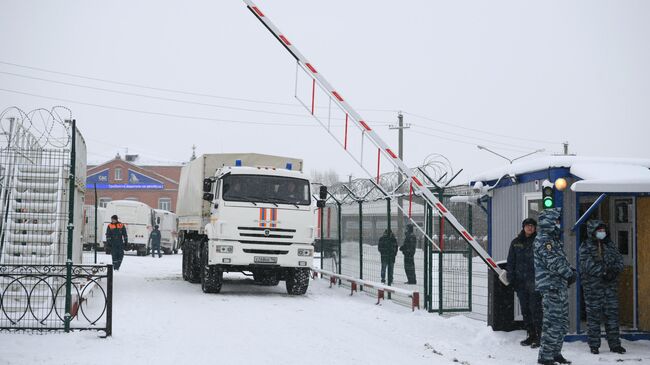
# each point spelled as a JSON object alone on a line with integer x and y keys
{"x": 224, "y": 249}
{"x": 304, "y": 252}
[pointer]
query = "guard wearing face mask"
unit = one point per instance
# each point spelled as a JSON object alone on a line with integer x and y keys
{"x": 553, "y": 275}
{"x": 600, "y": 265}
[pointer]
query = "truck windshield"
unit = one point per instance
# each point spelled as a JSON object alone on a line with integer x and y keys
{"x": 266, "y": 189}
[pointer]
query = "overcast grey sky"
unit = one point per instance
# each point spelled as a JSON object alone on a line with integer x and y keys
{"x": 512, "y": 75}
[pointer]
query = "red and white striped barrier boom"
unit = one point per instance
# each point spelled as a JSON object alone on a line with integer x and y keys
{"x": 383, "y": 149}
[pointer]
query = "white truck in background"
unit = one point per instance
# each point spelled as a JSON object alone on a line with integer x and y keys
{"x": 90, "y": 236}
{"x": 246, "y": 213}
{"x": 168, "y": 225}
{"x": 138, "y": 218}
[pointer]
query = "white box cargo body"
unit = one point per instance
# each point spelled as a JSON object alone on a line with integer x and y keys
{"x": 137, "y": 217}
{"x": 168, "y": 225}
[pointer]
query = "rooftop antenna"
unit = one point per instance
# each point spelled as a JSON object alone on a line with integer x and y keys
{"x": 511, "y": 160}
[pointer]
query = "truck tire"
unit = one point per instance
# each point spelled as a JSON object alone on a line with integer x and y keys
{"x": 266, "y": 278}
{"x": 167, "y": 251}
{"x": 211, "y": 276}
{"x": 297, "y": 281}
{"x": 193, "y": 263}
{"x": 184, "y": 267}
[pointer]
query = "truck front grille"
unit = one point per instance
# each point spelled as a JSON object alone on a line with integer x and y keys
{"x": 251, "y": 242}
{"x": 267, "y": 252}
{"x": 265, "y": 232}
{"x": 269, "y": 228}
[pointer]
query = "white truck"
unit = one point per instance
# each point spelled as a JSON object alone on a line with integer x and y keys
{"x": 90, "y": 236}
{"x": 246, "y": 213}
{"x": 138, "y": 218}
{"x": 168, "y": 225}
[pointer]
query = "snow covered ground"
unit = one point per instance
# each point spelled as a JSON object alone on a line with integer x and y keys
{"x": 160, "y": 319}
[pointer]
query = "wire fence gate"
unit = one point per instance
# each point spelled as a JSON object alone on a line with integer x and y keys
{"x": 43, "y": 284}
{"x": 354, "y": 219}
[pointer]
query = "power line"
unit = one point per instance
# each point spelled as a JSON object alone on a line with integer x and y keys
{"x": 145, "y": 86}
{"x": 160, "y": 113}
{"x": 153, "y": 97}
{"x": 479, "y": 130}
{"x": 164, "y": 98}
{"x": 467, "y": 142}
{"x": 168, "y": 90}
{"x": 465, "y": 136}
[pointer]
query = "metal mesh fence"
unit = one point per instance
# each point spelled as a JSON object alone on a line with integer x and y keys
{"x": 444, "y": 276}
{"x": 42, "y": 174}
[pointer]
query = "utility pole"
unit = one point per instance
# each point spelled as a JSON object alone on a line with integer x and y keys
{"x": 400, "y": 152}
{"x": 566, "y": 148}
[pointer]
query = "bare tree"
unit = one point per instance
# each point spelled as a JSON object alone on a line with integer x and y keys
{"x": 329, "y": 177}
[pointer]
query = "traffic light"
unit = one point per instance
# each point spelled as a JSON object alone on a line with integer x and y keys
{"x": 322, "y": 195}
{"x": 548, "y": 193}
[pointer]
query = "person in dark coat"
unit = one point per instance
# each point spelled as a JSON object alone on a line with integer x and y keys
{"x": 600, "y": 265}
{"x": 408, "y": 250}
{"x": 116, "y": 238}
{"x": 154, "y": 241}
{"x": 388, "y": 250}
{"x": 521, "y": 274}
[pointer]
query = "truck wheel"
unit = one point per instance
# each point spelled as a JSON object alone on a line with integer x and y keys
{"x": 297, "y": 281}
{"x": 167, "y": 251}
{"x": 211, "y": 276}
{"x": 193, "y": 263}
{"x": 184, "y": 269}
{"x": 266, "y": 278}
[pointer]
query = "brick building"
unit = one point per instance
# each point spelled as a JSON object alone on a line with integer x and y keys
{"x": 126, "y": 179}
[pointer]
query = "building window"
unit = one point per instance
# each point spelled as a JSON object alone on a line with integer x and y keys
{"x": 165, "y": 204}
{"x": 118, "y": 173}
{"x": 103, "y": 202}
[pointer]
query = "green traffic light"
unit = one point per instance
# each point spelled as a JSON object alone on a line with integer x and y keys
{"x": 548, "y": 203}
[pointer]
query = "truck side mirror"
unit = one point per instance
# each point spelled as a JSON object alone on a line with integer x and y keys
{"x": 207, "y": 185}
{"x": 208, "y": 196}
{"x": 320, "y": 203}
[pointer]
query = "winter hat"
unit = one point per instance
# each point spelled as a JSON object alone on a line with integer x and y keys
{"x": 528, "y": 221}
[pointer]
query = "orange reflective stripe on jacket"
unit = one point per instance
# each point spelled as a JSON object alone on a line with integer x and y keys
{"x": 113, "y": 225}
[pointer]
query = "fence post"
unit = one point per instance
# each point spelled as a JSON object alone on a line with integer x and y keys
{"x": 109, "y": 301}
{"x": 441, "y": 233}
{"x": 390, "y": 267}
{"x": 361, "y": 241}
{"x": 340, "y": 233}
{"x": 68, "y": 264}
{"x": 469, "y": 258}
{"x": 428, "y": 272}
{"x": 95, "y": 243}
{"x": 322, "y": 236}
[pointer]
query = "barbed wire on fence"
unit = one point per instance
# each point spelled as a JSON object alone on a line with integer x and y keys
{"x": 44, "y": 128}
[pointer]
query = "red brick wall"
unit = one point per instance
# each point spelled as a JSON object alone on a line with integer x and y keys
{"x": 147, "y": 196}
